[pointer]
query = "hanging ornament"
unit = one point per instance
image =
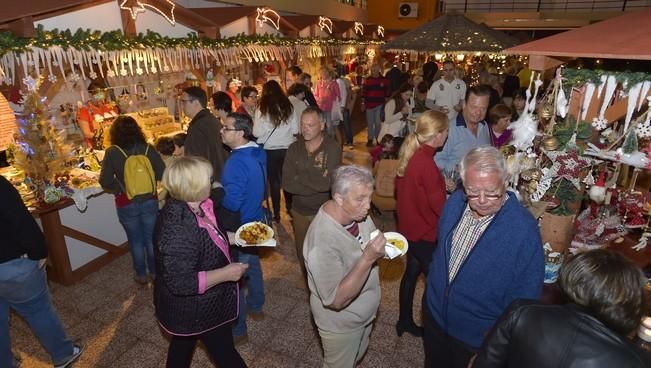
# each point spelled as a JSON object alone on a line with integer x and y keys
{"x": 599, "y": 123}
{"x": 110, "y": 73}
{"x": 92, "y": 75}
{"x": 589, "y": 179}
{"x": 643, "y": 130}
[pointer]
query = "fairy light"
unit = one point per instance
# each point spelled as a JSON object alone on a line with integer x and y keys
{"x": 141, "y": 7}
{"x": 134, "y": 10}
{"x": 359, "y": 28}
{"x": 380, "y": 31}
{"x": 267, "y": 15}
{"x": 325, "y": 24}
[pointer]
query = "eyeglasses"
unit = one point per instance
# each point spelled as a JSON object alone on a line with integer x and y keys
{"x": 252, "y": 96}
{"x": 187, "y": 100}
{"x": 448, "y": 70}
{"x": 473, "y": 196}
{"x": 230, "y": 129}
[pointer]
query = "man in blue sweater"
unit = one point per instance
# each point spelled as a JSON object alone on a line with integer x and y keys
{"x": 489, "y": 253}
{"x": 243, "y": 179}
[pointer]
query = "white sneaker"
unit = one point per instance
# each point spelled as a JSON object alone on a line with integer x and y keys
{"x": 76, "y": 352}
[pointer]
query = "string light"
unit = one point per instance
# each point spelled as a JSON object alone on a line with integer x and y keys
{"x": 325, "y": 24}
{"x": 141, "y": 7}
{"x": 380, "y": 31}
{"x": 134, "y": 10}
{"x": 264, "y": 17}
{"x": 359, "y": 28}
{"x": 169, "y": 18}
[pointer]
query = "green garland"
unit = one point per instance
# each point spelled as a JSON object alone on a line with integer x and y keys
{"x": 579, "y": 77}
{"x": 116, "y": 40}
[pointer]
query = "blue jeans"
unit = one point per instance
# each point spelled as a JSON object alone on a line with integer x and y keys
{"x": 255, "y": 285}
{"x": 374, "y": 120}
{"x": 23, "y": 288}
{"x": 138, "y": 220}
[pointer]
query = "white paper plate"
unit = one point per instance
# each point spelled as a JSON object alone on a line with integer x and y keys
{"x": 397, "y": 236}
{"x": 269, "y": 243}
{"x": 390, "y": 250}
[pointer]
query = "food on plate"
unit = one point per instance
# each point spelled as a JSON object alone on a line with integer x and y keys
{"x": 255, "y": 233}
{"x": 397, "y": 243}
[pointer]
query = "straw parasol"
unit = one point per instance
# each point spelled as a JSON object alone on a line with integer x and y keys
{"x": 451, "y": 33}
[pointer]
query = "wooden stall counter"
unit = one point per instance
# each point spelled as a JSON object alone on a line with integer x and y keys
{"x": 81, "y": 242}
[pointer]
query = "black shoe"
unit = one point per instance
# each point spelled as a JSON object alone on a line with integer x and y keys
{"x": 277, "y": 219}
{"x": 370, "y": 143}
{"x": 409, "y": 328}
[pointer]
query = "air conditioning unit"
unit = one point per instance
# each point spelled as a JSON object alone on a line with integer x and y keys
{"x": 408, "y": 10}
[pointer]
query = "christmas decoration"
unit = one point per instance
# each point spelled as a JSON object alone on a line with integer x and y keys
{"x": 40, "y": 150}
{"x": 83, "y": 50}
{"x": 567, "y": 165}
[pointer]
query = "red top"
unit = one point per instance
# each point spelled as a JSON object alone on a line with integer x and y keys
{"x": 420, "y": 196}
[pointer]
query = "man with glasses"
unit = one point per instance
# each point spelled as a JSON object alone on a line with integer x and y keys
{"x": 249, "y": 101}
{"x": 244, "y": 182}
{"x": 446, "y": 94}
{"x": 489, "y": 254}
{"x": 203, "y": 137}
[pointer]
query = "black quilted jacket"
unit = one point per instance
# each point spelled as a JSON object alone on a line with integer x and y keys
{"x": 182, "y": 249}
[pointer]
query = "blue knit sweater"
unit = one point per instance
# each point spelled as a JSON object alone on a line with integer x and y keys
{"x": 243, "y": 179}
{"x": 507, "y": 263}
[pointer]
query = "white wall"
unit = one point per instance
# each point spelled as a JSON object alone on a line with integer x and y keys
{"x": 104, "y": 17}
{"x": 233, "y": 28}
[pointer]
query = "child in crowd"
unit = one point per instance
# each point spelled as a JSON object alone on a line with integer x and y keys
{"x": 165, "y": 146}
{"x": 179, "y": 144}
{"x": 499, "y": 118}
{"x": 384, "y": 147}
{"x": 519, "y": 101}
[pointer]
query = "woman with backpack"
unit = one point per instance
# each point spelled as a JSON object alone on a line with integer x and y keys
{"x": 420, "y": 195}
{"x": 130, "y": 170}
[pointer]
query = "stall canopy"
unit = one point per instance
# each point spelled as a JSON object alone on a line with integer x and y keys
{"x": 625, "y": 37}
{"x": 451, "y": 33}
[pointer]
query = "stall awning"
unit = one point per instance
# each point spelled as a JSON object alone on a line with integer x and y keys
{"x": 625, "y": 37}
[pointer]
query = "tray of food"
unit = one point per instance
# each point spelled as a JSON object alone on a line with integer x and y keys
{"x": 255, "y": 234}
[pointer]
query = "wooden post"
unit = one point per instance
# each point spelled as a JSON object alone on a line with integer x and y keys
{"x": 128, "y": 23}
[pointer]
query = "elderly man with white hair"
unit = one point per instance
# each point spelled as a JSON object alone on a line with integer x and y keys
{"x": 343, "y": 278}
{"x": 489, "y": 254}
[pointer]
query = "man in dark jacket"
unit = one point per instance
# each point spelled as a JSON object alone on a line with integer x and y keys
{"x": 244, "y": 183}
{"x": 606, "y": 294}
{"x": 203, "y": 137}
{"x": 23, "y": 283}
{"x": 309, "y": 164}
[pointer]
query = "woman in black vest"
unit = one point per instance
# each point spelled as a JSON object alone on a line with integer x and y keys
{"x": 196, "y": 291}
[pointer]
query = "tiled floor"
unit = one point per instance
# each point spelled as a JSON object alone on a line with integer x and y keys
{"x": 114, "y": 318}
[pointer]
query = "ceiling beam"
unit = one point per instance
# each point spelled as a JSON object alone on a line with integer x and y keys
{"x": 43, "y": 8}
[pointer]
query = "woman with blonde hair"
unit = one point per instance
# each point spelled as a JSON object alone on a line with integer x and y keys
{"x": 196, "y": 291}
{"x": 420, "y": 195}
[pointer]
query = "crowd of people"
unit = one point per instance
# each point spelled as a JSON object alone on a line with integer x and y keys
{"x": 479, "y": 249}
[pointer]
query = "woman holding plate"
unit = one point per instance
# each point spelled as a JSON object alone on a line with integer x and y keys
{"x": 195, "y": 291}
{"x": 420, "y": 195}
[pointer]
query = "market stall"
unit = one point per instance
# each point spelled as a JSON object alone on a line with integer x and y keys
{"x": 587, "y": 181}
{"x": 57, "y": 78}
